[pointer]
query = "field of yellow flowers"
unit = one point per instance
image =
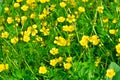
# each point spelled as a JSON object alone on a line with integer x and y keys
{"x": 59, "y": 39}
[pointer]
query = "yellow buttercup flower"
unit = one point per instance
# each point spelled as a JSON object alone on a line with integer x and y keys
{"x": 6, "y": 9}
{"x": 61, "y": 19}
{"x": 44, "y": 1}
{"x": 81, "y": 9}
{"x": 60, "y": 41}
{"x": 3, "y": 67}
{"x": 84, "y": 41}
{"x": 16, "y": 5}
{"x": 54, "y": 51}
{"x": 70, "y": 18}
{"x": 105, "y": 20}
{"x": 113, "y": 31}
{"x": 114, "y": 21}
{"x": 42, "y": 70}
{"x": 45, "y": 31}
{"x": 18, "y": 1}
{"x": 94, "y": 39}
{"x": 33, "y": 15}
{"x": 67, "y": 28}
{"x": 110, "y": 73}
{"x": 97, "y": 62}
{"x": 67, "y": 66}
{"x": 33, "y": 29}
{"x": 30, "y": 2}
{"x": 24, "y": 7}
{"x": 53, "y": 62}
{"x": 62, "y": 4}
{"x": 118, "y": 48}
{"x": 69, "y": 59}
{"x": 5, "y": 34}
{"x": 14, "y": 40}
{"x": 100, "y": 9}
{"x": 84, "y": 0}
{"x": 10, "y": 20}
{"x": 60, "y": 59}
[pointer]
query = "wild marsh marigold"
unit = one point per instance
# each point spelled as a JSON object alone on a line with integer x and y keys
{"x": 54, "y": 51}
{"x": 42, "y": 70}
{"x": 5, "y": 34}
{"x": 67, "y": 66}
{"x": 60, "y": 41}
{"x": 110, "y": 73}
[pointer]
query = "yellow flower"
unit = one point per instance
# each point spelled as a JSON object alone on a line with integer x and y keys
{"x": 81, "y": 9}
{"x": 23, "y": 19}
{"x": 18, "y": 1}
{"x": 100, "y": 9}
{"x": 33, "y": 15}
{"x": 24, "y": 7}
{"x": 14, "y": 40}
{"x": 118, "y": 9}
{"x": 60, "y": 59}
{"x": 54, "y": 51}
{"x": 1, "y": 28}
{"x": 84, "y": 41}
{"x": 114, "y": 20}
{"x": 110, "y": 73}
{"x": 67, "y": 28}
{"x": 6, "y": 9}
{"x": 67, "y": 65}
{"x": 30, "y": 2}
{"x": 16, "y": 5}
{"x": 3, "y": 67}
{"x": 62, "y": 4}
{"x": 97, "y": 62}
{"x": 69, "y": 59}
{"x": 53, "y": 62}
{"x": 42, "y": 70}
{"x": 113, "y": 31}
{"x": 70, "y": 18}
{"x": 61, "y": 19}
{"x": 26, "y": 38}
{"x": 9, "y": 20}
{"x": 33, "y": 29}
{"x": 60, "y": 41}
{"x": 52, "y": 7}
{"x": 84, "y": 0}
{"x": 118, "y": 48}
{"x": 45, "y": 31}
{"x": 105, "y": 20}
{"x": 94, "y": 39}
{"x": 44, "y": 1}
{"x": 5, "y": 34}
{"x": 17, "y": 19}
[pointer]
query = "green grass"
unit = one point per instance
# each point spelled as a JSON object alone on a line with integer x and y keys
{"x": 25, "y": 58}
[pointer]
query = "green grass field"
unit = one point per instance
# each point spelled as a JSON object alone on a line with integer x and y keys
{"x": 59, "y": 39}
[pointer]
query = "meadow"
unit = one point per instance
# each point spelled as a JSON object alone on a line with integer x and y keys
{"x": 59, "y": 39}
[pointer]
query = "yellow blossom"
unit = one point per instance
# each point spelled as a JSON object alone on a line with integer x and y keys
{"x": 97, "y": 62}
{"x": 44, "y": 1}
{"x": 33, "y": 29}
{"x": 113, "y": 31}
{"x": 45, "y": 31}
{"x": 52, "y": 7}
{"x": 84, "y": 0}
{"x": 60, "y": 41}
{"x": 3, "y": 67}
{"x": 118, "y": 9}
{"x": 24, "y": 7}
{"x": 10, "y": 20}
{"x": 60, "y": 59}
{"x": 110, "y": 73}
{"x": 105, "y": 20}
{"x": 84, "y": 41}
{"x": 67, "y": 28}
{"x": 81, "y": 9}
{"x": 54, "y": 51}
{"x": 94, "y": 39}
{"x": 42, "y": 70}
{"x": 100, "y": 9}
{"x": 118, "y": 48}
{"x": 6, "y": 9}
{"x": 70, "y": 18}
{"x": 16, "y": 5}
{"x": 61, "y": 19}
{"x": 62, "y": 4}
{"x": 17, "y": 19}
{"x": 14, "y": 40}
{"x": 18, "y": 0}
{"x": 114, "y": 20}
{"x": 30, "y": 1}
{"x": 53, "y": 62}
{"x": 5, "y": 34}
{"x": 69, "y": 59}
{"x": 33, "y": 15}
{"x": 67, "y": 66}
